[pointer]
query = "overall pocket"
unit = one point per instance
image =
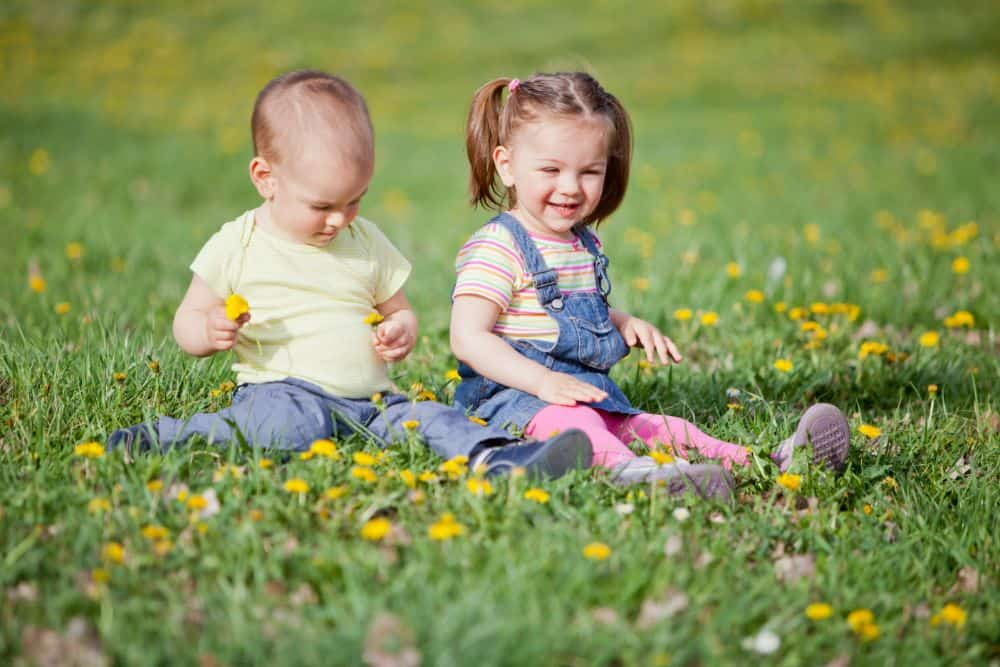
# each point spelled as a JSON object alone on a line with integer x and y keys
{"x": 599, "y": 345}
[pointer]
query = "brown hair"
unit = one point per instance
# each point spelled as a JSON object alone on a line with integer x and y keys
{"x": 290, "y": 105}
{"x": 492, "y": 122}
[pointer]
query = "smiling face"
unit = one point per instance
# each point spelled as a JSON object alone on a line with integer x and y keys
{"x": 556, "y": 167}
{"x": 312, "y": 198}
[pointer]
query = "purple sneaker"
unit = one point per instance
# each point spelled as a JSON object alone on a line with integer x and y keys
{"x": 825, "y": 427}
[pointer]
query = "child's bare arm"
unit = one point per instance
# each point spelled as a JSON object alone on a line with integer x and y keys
{"x": 396, "y": 335}
{"x": 201, "y": 327}
{"x": 473, "y": 341}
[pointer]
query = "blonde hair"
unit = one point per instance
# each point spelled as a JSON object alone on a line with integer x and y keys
{"x": 311, "y": 103}
{"x": 493, "y": 121}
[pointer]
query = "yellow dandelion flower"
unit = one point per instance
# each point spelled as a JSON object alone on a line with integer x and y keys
{"x": 811, "y": 233}
{"x": 789, "y": 481}
{"x": 683, "y": 314}
{"x": 780, "y": 307}
{"x": 929, "y": 339}
{"x": 408, "y": 478}
{"x": 596, "y": 551}
{"x": 479, "y": 487}
{"x": 455, "y": 467}
{"x": 153, "y": 365}
{"x": 540, "y": 496}
{"x": 640, "y": 284}
{"x": 39, "y": 161}
{"x": 119, "y": 377}
{"x": 867, "y": 509}
{"x": 661, "y": 457}
{"x": 733, "y": 270}
{"x": 155, "y": 532}
{"x": 196, "y": 502}
{"x": 710, "y": 318}
{"x": 797, "y": 313}
{"x": 375, "y": 529}
{"x": 446, "y": 528}
{"x": 90, "y": 450}
{"x": 325, "y": 448}
{"x": 859, "y": 618}
{"x": 819, "y": 611}
{"x": 37, "y": 284}
{"x": 154, "y": 485}
{"x": 98, "y": 505}
{"x": 411, "y": 424}
{"x": 364, "y": 473}
{"x": 225, "y": 471}
{"x": 891, "y": 483}
{"x": 296, "y": 485}
{"x": 783, "y": 365}
{"x": 878, "y": 276}
{"x": 265, "y": 464}
{"x": 872, "y": 348}
{"x": 426, "y": 395}
{"x": 100, "y": 575}
{"x": 869, "y": 431}
{"x": 162, "y": 547}
{"x": 960, "y": 265}
{"x": 376, "y": 397}
{"x": 452, "y": 376}
{"x": 373, "y": 318}
{"x": 335, "y": 492}
{"x": 819, "y": 308}
{"x": 754, "y": 296}
{"x": 74, "y": 250}
{"x": 962, "y": 318}
{"x": 476, "y": 420}
{"x": 236, "y": 305}
{"x": 950, "y": 614}
{"x": 427, "y": 477}
{"x": 932, "y": 389}
{"x": 363, "y": 459}
{"x": 113, "y": 552}
{"x": 868, "y": 632}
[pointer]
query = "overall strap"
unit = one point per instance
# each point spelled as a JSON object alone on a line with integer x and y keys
{"x": 601, "y": 261}
{"x": 545, "y": 280}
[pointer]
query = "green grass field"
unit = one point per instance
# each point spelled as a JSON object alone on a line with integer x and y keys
{"x": 839, "y": 158}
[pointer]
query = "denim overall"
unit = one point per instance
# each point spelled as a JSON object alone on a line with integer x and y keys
{"x": 587, "y": 347}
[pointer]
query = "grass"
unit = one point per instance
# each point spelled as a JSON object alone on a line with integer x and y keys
{"x": 850, "y": 142}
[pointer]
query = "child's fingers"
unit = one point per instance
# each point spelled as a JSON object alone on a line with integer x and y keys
{"x": 672, "y": 350}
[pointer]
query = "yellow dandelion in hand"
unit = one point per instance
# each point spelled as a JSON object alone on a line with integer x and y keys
{"x": 960, "y": 265}
{"x": 374, "y": 318}
{"x": 929, "y": 339}
{"x": 783, "y": 365}
{"x": 733, "y": 270}
{"x": 683, "y": 314}
{"x": 113, "y": 552}
{"x": 375, "y": 529}
{"x": 596, "y": 551}
{"x": 74, "y": 250}
{"x": 479, "y": 487}
{"x": 37, "y": 284}
{"x": 789, "y": 481}
{"x": 90, "y": 450}
{"x": 540, "y": 496}
{"x": 446, "y": 528}
{"x": 297, "y": 485}
{"x": 754, "y": 296}
{"x": 869, "y": 431}
{"x": 951, "y": 614}
{"x": 236, "y": 305}
{"x": 710, "y": 319}
{"x": 819, "y": 611}
{"x": 452, "y": 376}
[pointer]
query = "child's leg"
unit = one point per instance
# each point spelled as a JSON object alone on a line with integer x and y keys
{"x": 276, "y": 415}
{"x": 445, "y": 429}
{"x": 609, "y": 451}
{"x": 676, "y": 433}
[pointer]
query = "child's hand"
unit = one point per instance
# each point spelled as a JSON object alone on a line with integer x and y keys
{"x": 222, "y": 332}
{"x": 563, "y": 389}
{"x": 640, "y": 333}
{"x": 392, "y": 340}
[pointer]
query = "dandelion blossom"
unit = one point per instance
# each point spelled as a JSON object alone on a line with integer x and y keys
{"x": 789, "y": 481}
{"x": 37, "y": 284}
{"x": 373, "y": 318}
{"x": 375, "y": 529}
{"x": 540, "y": 496}
{"x": 683, "y": 314}
{"x": 98, "y": 505}
{"x": 479, "y": 487}
{"x": 596, "y": 551}
{"x": 783, "y": 365}
{"x": 155, "y": 532}
{"x": 819, "y": 611}
{"x": 950, "y": 614}
{"x": 733, "y": 270}
{"x": 364, "y": 459}
{"x": 446, "y": 528}
{"x": 236, "y": 305}
{"x": 960, "y": 265}
{"x": 296, "y": 485}
{"x": 869, "y": 431}
{"x": 113, "y": 552}
{"x": 364, "y": 473}
{"x": 754, "y": 296}
{"x": 74, "y": 250}
{"x": 710, "y": 318}
{"x": 862, "y": 623}
{"x": 452, "y": 376}
{"x": 335, "y": 492}
{"x": 476, "y": 420}
{"x": 411, "y": 424}
{"x": 661, "y": 457}
{"x": 929, "y": 339}
{"x": 90, "y": 450}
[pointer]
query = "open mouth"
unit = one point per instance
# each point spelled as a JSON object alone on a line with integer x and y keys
{"x": 565, "y": 210}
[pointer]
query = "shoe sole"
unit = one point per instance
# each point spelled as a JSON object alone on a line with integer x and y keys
{"x": 567, "y": 451}
{"x": 825, "y": 427}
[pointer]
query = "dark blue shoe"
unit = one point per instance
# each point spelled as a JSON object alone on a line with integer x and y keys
{"x": 133, "y": 440}
{"x": 568, "y": 450}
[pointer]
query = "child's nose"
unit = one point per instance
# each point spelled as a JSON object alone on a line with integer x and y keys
{"x": 336, "y": 219}
{"x": 569, "y": 184}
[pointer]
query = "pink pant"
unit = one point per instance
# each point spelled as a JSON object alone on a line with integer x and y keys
{"x": 607, "y": 431}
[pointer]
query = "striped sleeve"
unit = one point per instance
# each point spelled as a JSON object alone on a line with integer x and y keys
{"x": 489, "y": 266}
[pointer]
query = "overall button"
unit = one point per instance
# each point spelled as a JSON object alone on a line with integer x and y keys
{"x": 556, "y": 304}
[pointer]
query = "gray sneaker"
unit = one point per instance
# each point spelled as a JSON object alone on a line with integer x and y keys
{"x": 825, "y": 427}
{"x": 711, "y": 482}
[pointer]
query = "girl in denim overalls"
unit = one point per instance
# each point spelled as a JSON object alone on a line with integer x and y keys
{"x": 531, "y": 324}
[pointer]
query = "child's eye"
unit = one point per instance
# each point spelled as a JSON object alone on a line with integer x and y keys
{"x": 317, "y": 207}
{"x": 550, "y": 170}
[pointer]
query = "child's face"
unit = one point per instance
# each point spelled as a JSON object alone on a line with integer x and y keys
{"x": 313, "y": 196}
{"x": 557, "y": 167}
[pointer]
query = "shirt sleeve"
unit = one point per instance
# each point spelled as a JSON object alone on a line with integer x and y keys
{"x": 392, "y": 269}
{"x": 216, "y": 259}
{"x": 489, "y": 266}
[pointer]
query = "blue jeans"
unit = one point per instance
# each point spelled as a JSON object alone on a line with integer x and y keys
{"x": 291, "y": 414}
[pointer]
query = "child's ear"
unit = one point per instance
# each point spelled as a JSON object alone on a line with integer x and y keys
{"x": 501, "y": 160}
{"x": 262, "y": 177}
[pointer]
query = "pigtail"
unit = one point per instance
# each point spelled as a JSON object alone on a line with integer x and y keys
{"x": 482, "y": 135}
{"x": 619, "y": 160}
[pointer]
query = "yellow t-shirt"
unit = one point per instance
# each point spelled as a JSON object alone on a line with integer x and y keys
{"x": 307, "y": 304}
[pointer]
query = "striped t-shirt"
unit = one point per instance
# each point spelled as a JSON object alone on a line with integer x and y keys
{"x": 490, "y": 266}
